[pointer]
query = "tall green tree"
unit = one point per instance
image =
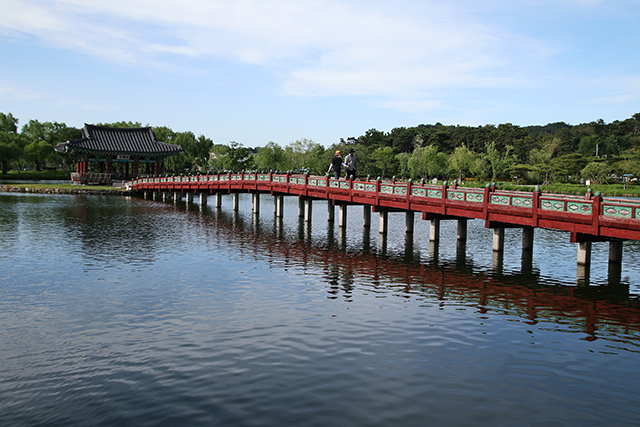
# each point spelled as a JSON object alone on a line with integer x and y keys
{"x": 10, "y": 150}
{"x": 384, "y": 162}
{"x": 427, "y": 162}
{"x": 597, "y": 172}
{"x": 233, "y": 157}
{"x": 461, "y": 161}
{"x": 271, "y": 157}
{"x": 299, "y": 152}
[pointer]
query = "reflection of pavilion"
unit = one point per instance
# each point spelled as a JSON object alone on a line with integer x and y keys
{"x": 116, "y": 153}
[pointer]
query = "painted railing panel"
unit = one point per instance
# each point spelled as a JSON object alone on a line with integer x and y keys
{"x": 621, "y": 208}
{"x": 566, "y": 204}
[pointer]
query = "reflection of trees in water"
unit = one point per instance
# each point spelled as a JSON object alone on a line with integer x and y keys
{"x": 9, "y": 224}
{"x": 114, "y": 230}
{"x": 599, "y": 312}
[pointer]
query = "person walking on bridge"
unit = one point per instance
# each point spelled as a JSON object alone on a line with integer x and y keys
{"x": 350, "y": 164}
{"x": 336, "y": 165}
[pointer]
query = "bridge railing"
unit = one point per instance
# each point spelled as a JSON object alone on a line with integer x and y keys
{"x": 91, "y": 178}
{"x": 610, "y": 207}
{"x": 620, "y": 208}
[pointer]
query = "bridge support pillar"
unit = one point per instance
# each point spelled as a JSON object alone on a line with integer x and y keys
{"x": 203, "y": 199}
{"x": 331, "y": 211}
{"x": 145, "y": 195}
{"x": 342, "y": 219}
{"x": 156, "y": 196}
{"x": 255, "y": 203}
{"x": 188, "y": 197}
{"x": 300, "y": 207}
{"x": 218, "y": 197}
{"x": 166, "y": 196}
{"x": 434, "y": 230}
{"x": 409, "y": 222}
{"x": 308, "y": 204}
{"x": 236, "y": 201}
{"x": 367, "y": 216}
{"x": 462, "y": 230}
{"x": 584, "y": 253}
{"x": 177, "y": 196}
{"x": 615, "y": 252}
{"x": 527, "y": 239}
{"x": 384, "y": 222}
{"x": 278, "y": 205}
{"x": 583, "y": 275}
{"x": 498, "y": 239}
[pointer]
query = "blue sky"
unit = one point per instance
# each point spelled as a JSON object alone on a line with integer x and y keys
{"x": 255, "y": 71}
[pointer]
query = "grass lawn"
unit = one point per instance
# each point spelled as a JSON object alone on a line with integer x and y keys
{"x": 47, "y": 174}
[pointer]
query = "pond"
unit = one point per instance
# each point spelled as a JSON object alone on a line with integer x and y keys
{"x": 123, "y": 311}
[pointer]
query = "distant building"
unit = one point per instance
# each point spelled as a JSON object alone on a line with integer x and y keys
{"x": 105, "y": 154}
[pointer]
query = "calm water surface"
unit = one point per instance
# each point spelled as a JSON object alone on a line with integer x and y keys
{"x": 129, "y": 312}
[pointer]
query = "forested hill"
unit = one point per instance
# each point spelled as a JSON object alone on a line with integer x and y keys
{"x": 533, "y": 154}
{"x": 549, "y": 129}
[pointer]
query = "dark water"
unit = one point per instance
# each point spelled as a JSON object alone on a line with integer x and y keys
{"x": 120, "y": 311}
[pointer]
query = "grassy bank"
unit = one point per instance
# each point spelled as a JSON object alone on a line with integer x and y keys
{"x": 32, "y": 175}
{"x": 62, "y": 189}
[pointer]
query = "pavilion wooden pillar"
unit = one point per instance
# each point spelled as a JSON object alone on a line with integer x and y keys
{"x": 109, "y": 166}
{"x": 135, "y": 168}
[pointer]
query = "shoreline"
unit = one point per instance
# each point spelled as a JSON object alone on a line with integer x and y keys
{"x": 8, "y": 188}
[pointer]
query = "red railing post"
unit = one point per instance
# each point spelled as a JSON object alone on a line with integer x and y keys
{"x": 595, "y": 212}
{"x": 535, "y": 206}
{"x": 485, "y": 202}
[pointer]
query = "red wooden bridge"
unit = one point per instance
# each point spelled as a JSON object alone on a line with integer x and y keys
{"x": 591, "y": 215}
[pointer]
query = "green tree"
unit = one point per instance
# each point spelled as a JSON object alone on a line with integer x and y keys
{"x": 319, "y": 160}
{"x": 10, "y": 149}
{"x": 403, "y": 163}
{"x": 8, "y": 123}
{"x": 597, "y": 172}
{"x": 37, "y": 153}
{"x": 461, "y": 161}
{"x": 122, "y": 124}
{"x": 493, "y": 164}
{"x": 542, "y": 160}
{"x": 298, "y": 153}
{"x": 384, "y": 161}
{"x": 589, "y": 146}
{"x": 271, "y": 157}
{"x": 427, "y": 162}
{"x": 233, "y": 157}
{"x": 373, "y": 137}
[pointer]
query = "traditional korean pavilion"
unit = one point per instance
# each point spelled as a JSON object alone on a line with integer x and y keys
{"x": 104, "y": 154}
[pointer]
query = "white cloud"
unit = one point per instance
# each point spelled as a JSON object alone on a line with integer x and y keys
{"x": 321, "y": 47}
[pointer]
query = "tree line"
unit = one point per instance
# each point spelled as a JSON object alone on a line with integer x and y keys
{"x": 556, "y": 152}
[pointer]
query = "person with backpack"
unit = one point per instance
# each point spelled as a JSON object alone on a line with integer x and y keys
{"x": 350, "y": 164}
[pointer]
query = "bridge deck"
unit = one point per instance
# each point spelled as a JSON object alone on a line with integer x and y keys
{"x": 585, "y": 217}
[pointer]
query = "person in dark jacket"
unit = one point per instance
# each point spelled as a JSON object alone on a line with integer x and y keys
{"x": 336, "y": 165}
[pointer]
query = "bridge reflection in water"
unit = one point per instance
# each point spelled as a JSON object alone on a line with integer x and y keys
{"x": 598, "y": 312}
{"x": 588, "y": 219}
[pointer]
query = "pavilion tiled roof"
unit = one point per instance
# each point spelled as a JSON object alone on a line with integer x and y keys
{"x": 105, "y": 140}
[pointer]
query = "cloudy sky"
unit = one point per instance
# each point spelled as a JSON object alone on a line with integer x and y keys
{"x": 255, "y": 71}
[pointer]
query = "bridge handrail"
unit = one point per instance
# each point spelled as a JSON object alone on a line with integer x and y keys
{"x": 392, "y": 189}
{"x": 630, "y": 202}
